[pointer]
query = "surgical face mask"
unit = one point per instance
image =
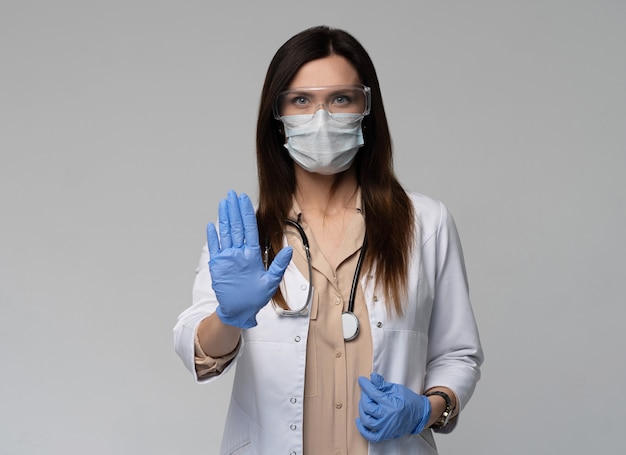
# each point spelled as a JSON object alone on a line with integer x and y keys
{"x": 324, "y": 144}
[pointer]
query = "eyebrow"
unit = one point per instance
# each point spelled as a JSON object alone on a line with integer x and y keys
{"x": 297, "y": 91}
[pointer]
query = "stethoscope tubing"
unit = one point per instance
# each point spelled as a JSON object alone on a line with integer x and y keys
{"x": 357, "y": 273}
{"x": 349, "y": 320}
{"x": 305, "y": 242}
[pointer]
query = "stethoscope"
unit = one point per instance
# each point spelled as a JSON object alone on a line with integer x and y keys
{"x": 349, "y": 321}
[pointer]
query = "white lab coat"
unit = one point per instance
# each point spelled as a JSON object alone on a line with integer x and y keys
{"x": 435, "y": 343}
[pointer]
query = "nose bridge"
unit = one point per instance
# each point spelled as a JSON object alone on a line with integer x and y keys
{"x": 320, "y": 106}
{"x": 321, "y": 103}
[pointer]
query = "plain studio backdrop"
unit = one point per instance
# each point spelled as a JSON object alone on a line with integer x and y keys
{"x": 124, "y": 122}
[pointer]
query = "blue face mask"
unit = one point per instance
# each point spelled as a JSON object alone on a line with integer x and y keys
{"x": 324, "y": 145}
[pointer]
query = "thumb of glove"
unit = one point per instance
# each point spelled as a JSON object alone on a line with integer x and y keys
{"x": 278, "y": 266}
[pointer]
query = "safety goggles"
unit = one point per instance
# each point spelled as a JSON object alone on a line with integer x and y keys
{"x": 337, "y": 100}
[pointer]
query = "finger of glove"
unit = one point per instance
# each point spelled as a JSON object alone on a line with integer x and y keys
{"x": 377, "y": 380}
{"x": 280, "y": 263}
{"x": 224, "y": 224}
{"x": 234, "y": 218}
{"x": 248, "y": 217}
{"x": 371, "y": 390}
{"x": 369, "y": 409}
{"x": 388, "y": 388}
{"x": 367, "y": 433}
{"x": 212, "y": 240}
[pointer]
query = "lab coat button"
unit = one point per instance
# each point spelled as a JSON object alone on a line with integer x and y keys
{"x": 293, "y": 427}
{"x": 337, "y": 354}
{"x": 379, "y": 324}
{"x": 375, "y": 298}
{"x": 303, "y": 287}
{"x": 293, "y": 400}
{"x": 339, "y": 405}
{"x": 297, "y": 338}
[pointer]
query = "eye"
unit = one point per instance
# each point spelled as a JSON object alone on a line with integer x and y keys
{"x": 342, "y": 99}
{"x": 299, "y": 101}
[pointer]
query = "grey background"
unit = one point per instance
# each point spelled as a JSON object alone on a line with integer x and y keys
{"x": 124, "y": 122}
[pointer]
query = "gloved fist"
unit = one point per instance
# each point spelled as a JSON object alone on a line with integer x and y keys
{"x": 239, "y": 279}
{"x": 388, "y": 410}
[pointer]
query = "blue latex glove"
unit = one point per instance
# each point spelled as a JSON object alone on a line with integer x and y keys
{"x": 389, "y": 410}
{"x": 239, "y": 279}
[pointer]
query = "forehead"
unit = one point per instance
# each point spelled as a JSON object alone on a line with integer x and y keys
{"x": 331, "y": 70}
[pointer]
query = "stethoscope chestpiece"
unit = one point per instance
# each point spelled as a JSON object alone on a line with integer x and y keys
{"x": 350, "y": 325}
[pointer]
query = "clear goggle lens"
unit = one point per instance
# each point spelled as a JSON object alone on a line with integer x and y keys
{"x": 336, "y": 100}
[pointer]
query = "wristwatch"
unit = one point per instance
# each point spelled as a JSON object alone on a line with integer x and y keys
{"x": 445, "y": 417}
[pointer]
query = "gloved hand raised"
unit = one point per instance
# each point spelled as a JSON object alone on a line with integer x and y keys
{"x": 239, "y": 279}
{"x": 388, "y": 410}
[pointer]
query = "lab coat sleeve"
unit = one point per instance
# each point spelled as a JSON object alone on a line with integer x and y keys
{"x": 454, "y": 351}
{"x": 204, "y": 303}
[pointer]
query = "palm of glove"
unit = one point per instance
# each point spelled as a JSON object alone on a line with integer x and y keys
{"x": 241, "y": 283}
{"x": 388, "y": 410}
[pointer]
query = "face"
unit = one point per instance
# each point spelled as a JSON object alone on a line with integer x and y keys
{"x": 326, "y": 143}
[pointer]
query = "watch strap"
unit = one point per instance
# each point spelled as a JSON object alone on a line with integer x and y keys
{"x": 447, "y": 413}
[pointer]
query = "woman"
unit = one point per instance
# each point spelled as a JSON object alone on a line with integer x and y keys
{"x": 343, "y": 300}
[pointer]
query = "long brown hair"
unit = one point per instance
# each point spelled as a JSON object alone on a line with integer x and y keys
{"x": 384, "y": 200}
